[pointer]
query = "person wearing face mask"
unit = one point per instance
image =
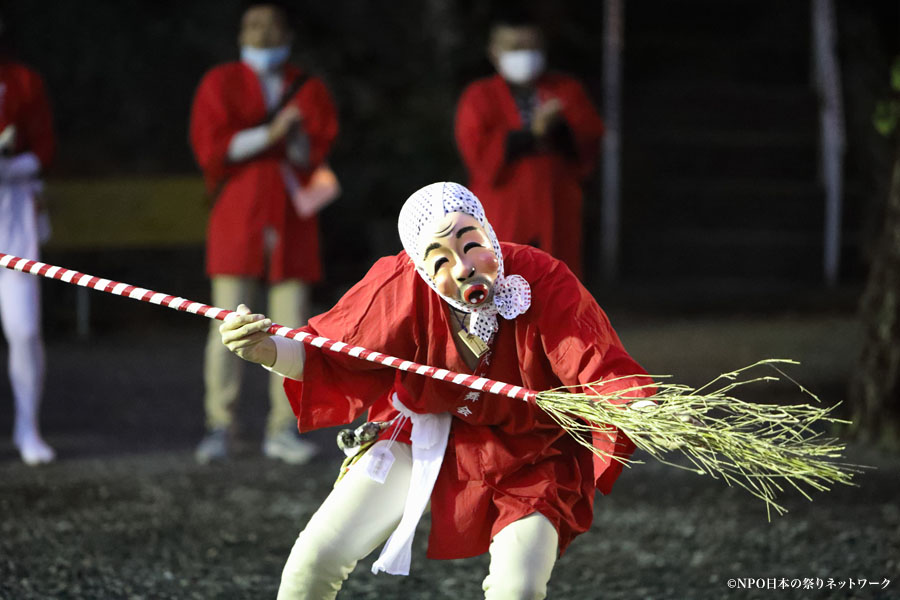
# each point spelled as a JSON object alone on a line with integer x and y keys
{"x": 500, "y": 475}
{"x": 261, "y": 129}
{"x": 529, "y": 139}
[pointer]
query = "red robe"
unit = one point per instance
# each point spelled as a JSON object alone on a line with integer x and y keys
{"x": 250, "y": 196}
{"x": 23, "y": 103}
{"x": 537, "y": 198}
{"x": 505, "y": 458}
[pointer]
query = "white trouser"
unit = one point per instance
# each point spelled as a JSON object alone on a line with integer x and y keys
{"x": 20, "y": 312}
{"x": 360, "y": 514}
{"x": 20, "y": 307}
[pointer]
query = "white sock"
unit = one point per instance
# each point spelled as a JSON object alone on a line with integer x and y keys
{"x": 32, "y": 447}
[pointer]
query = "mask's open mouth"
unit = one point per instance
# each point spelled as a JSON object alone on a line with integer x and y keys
{"x": 476, "y": 294}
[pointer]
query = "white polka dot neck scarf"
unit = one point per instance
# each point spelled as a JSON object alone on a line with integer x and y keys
{"x": 512, "y": 294}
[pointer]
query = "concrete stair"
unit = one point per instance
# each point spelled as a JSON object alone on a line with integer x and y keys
{"x": 720, "y": 145}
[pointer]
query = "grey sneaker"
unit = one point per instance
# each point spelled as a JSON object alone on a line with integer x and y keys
{"x": 214, "y": 446}
{"x": 287, "y": 445}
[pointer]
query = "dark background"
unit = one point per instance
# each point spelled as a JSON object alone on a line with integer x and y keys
{"x": 720, "y": 175}
{"x": 720, "y": 267}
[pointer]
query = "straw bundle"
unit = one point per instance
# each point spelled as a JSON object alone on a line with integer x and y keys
{"x": 760, "y": 447}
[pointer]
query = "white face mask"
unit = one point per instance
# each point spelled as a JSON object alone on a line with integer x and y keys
{"x": 521, "y": 67}
{"x": 511, "y": 293}
{"x": 264, "y": 60}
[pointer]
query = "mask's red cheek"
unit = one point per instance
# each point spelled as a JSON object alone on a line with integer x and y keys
{"x": 487, "y": 264}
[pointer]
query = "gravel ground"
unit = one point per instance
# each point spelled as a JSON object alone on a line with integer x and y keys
{"x": 126, "y": 513}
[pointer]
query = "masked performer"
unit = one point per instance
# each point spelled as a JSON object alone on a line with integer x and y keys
{"x": 499, "y": 474}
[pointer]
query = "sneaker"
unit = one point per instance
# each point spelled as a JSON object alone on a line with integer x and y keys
{"x": 35, "y": 451}
{"x": 288, "y": 446}
{"x": 213, "y": 447}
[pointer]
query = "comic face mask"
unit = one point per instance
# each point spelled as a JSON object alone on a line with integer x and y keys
{"x": 445, "y": 232}
{"x": 460, "y": 259}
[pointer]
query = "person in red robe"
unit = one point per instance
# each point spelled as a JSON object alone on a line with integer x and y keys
{"x": 27, "y": 145}
{"x": 500, "y": 475}
{"x": 260, "y": 129}
{"x": 529, "y": 138}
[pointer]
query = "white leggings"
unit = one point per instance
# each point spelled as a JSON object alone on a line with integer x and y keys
{"x": 360, "y": 514}
{"x": 20, "y": 312}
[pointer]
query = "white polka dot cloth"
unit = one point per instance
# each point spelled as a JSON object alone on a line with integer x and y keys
{"x": 512, "y": 294}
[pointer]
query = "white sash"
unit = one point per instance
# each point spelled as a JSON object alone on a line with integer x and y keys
{"x": 429, "y": 441}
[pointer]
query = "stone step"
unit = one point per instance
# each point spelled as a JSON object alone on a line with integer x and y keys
{"x": 761, "y": 64}
{"x": 742, "y": 20}
{"x": 721, "y": 154}
{"x": 666, "y": 198}
{"x": 720, "y": 202}
{"x": 722, "y": 253}
{"x": 720, "y": 143}
{"x": 706, "y": 294}
{"x": 714, "y": 105}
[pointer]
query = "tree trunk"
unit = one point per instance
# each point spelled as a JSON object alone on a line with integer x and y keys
{"x": 875, "y": 388}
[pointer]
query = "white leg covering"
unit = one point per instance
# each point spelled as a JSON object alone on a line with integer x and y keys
{"x": 522, "y": 557}
{"x": 20, "y": 312}
{"x": 356, "y": 517}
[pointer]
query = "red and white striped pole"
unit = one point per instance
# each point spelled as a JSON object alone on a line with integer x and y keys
{"x": 481, "y": 384}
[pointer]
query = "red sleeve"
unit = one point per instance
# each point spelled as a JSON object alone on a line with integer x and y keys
{"x": 583, "y": 348}
{"x": 320, "y": 119}
{"x": 575, "y": 332}
{"x": 481, "y": 139}
{"x": 37, "y": 126}
{"x": 377, "y": 314}
{"x": 586, "y": 125}
{"x": 211, "y": 129}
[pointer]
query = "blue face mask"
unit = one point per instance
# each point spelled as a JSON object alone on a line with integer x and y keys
{"x": 264, "y": 60}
